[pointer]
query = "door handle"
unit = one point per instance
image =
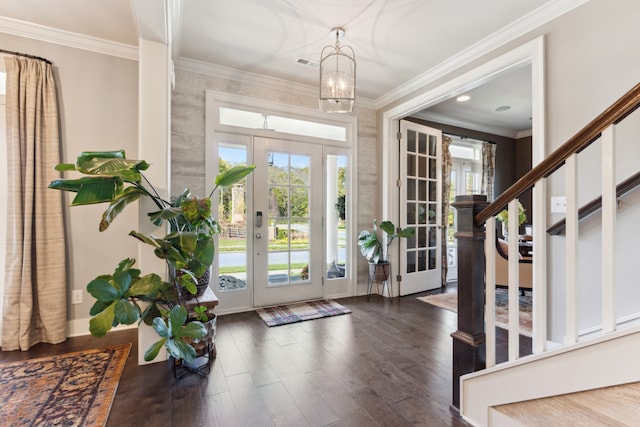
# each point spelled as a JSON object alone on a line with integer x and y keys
{"x": 258, "y": 235}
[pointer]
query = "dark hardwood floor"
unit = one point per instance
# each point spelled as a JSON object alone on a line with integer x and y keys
{"x": 388, "y": 363}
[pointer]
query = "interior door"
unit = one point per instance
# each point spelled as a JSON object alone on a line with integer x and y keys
{"x": 287, "y": 232}
{"x": 420, "y": 207}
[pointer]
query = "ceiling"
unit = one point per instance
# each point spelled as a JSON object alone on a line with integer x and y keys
{"x": 395, "y": 41}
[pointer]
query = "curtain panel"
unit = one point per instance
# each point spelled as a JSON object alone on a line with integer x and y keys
{"x": 35, "y": 297}
{"x": 446, "y": 190}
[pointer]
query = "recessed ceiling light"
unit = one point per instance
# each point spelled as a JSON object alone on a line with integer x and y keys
{"x": 463, "y": 98}
{"x": 503, "y": 108}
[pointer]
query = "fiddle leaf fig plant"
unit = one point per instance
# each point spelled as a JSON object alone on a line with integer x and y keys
{"x": 127, "y": 296}
{"x": 371, "y": 246}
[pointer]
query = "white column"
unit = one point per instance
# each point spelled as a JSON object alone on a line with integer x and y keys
{"x": 154, "y": 119}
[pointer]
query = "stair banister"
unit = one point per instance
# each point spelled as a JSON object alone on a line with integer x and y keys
{"x": 624, "y": 106}
{"x": 469, "y": 344}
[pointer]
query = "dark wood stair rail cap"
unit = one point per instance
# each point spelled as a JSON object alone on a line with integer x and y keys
{"x": 620, "y": 109}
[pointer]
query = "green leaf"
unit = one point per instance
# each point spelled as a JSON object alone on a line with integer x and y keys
{"x": 102, "y": 290}
{"x": 101, "y": 323}
{"x": 233, "y": 175}
{"x": 64, "y": 167}
{"x": 98, "y": 306}
{"x": 122, "y": 280}
{"x": 125, "y": 312}
{"x": 152, "y": 352}
{"x": 160, "y": 326}
{"x": 149, "y": 240}
{"x": 184, "y": 241}
{"x": 90, "y": 190}
{"x": 126, "y": 264}
{"x": 129, "y": 195}
{"x": 181, "y": 350}
{"x": 164, "y": 215}
{"x": 407, "y": 232}
{"x": 111, "y": 163}
{"x": 150, "y": 313}
{"x": 388, "y": 227}
{"x": 193, "y": 330}
{"x": 188, "y": 281}
{"x": 177, "y": 317}
{"x": 150, "y": 285}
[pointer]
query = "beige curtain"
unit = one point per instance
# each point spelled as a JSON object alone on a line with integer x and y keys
{"x": 446, "y": 189}
{"x": 35, "y": 298}
{"x": 488, "y": 168}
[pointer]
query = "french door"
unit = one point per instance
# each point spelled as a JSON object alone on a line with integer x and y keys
{"x": 287, "y": 203}
{"x": 420, "y": 207}
{"x": 270, "y": 249}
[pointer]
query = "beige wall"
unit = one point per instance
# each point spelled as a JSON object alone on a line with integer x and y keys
{"x": 97, "y": 97}
{"x": 188, "y": 140}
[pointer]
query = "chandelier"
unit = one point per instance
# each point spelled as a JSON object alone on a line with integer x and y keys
{"x": 337, "y": 76}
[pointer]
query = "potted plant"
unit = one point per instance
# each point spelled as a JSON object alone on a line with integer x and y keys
{"x": 127, "y": 296}
{"x": 375, "y": 252}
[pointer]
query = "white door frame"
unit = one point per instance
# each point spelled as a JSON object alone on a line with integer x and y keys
{"x": 215, "y": 99}
{"x": 530, "y": 53}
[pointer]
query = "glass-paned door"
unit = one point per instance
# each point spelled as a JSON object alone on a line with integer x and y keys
{"x": 421, "y": 196}
{"x": 287, "y": 236}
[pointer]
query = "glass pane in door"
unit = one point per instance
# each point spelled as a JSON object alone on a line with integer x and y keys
{"x": 336, "y": 216}
{"x": 421, "y": 198}
{"x": 288, "y": 218}
{"x": 232, "y": 216}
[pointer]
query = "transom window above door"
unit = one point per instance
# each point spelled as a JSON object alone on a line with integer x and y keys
{"x": 254, "y": 120}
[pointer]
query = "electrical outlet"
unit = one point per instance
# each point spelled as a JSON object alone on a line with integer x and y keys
{"x": 558, "y": 204}
{"x": 76, "y": 297}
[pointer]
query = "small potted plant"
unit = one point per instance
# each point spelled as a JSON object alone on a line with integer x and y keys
{"x": 376, "y": 252}
{"x": 126, "y": 296}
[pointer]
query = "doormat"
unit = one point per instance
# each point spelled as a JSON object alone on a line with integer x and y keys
{"x": 73, "y": 389}
{"x": 285, "y": 314}
{"x": 449, "y": 301}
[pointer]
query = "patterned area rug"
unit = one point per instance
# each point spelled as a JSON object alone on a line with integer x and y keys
{"x": 285, "y": 314}
{"x": 73, "y": 389}
{"x": 449, "y": 301}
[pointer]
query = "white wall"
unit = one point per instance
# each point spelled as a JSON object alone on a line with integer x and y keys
{"x": 97, "y": 97}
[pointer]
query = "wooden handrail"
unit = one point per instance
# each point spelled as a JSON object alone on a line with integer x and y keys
{"x": 620, "y": 109}
{"x": 593, "y": 206}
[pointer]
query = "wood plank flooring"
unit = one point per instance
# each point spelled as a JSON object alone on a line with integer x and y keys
{"x": 388, "y": 363}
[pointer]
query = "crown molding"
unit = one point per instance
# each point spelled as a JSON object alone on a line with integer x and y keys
{"x": 226, "y": 73}
{"x": 67, "y": 38}
{"x": 446, "y": 120}
{"x": 544, "y": 14}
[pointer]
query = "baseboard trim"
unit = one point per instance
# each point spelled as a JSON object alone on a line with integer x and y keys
{"x": 80, "y": 327}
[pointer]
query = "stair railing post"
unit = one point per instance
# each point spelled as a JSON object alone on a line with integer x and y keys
{"x": 469, "y": 340}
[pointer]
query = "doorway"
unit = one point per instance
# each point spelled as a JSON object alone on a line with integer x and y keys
{"x": 285, "y": 230}
{"x": 530, "y": 54}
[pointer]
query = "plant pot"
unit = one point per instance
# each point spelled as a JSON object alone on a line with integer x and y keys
{"x": 201, "y": 287}
{"x": 379, "y": 272}
{"x": 208, "y": 343}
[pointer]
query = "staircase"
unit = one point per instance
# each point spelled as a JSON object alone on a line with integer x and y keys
{"x": 584, "y": 361}
{"x": 609, "y": 406}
